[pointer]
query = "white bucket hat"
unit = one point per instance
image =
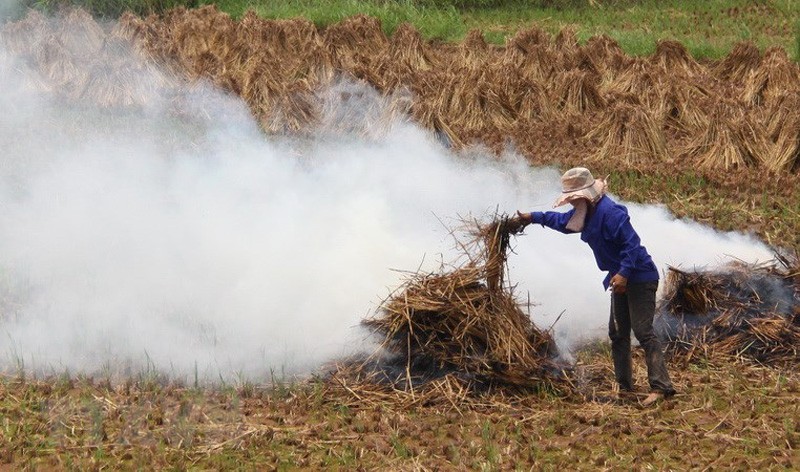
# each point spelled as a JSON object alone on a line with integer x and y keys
{"x": 578, "y": 183}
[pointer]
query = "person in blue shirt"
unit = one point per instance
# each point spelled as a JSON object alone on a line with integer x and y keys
{"x": 632, "y": 276}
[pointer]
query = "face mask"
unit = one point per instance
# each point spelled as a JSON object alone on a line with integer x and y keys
{"x": 578, "y": 218}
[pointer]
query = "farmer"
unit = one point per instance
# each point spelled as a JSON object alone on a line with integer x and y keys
{"x": 632, "y": 276}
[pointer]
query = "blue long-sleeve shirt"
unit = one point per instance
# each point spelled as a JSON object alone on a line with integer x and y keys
{"x": 608, "y": 231}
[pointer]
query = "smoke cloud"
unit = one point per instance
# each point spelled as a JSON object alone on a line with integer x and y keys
{"x": 194, "y": 244}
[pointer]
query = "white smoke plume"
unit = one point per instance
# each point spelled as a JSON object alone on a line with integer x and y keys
{"x": 130, "y": 240}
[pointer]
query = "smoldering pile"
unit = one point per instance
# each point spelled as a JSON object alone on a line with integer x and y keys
{"x": 743, "y": 310}
{"x": 462, "y": 329}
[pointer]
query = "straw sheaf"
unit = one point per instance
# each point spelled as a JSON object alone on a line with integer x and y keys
{"x": 776, "y": 75}
{"x": 355, "y": 42}
{"x": 531, "y": 51}
{"x": 58, "y": 67}
{"x": 80, "y": 34}
{"x": 409, "y": 51}
{"x": 672, "y": 58}
{"x": 636, "y": 78}
{"x": 781, "y": 123}
{"x": 631, "y": 135}
{"x": 684, "y": 106}
{"x": 576, "y": 91}
{"x": 606, "y": 54}
{"x": 407, "y": 57}
{"x": 729, "y": 139}
{"x": 473, "y": 51}
{"x": 25, "y": 36}
{"x": 739, "y": 63}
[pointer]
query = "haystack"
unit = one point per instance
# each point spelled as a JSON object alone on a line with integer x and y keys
{"x": 672, "y": 58}
{"x": 464, "y": 323}
{"x": 729, "y": 139}
{"x": 576, "y": 91}
{"x": 629, "y": 134}
{"x": 776, "y": 75}
{"x": 782, "y": 134}
{"x": 742, "y": 310}
{"x": 739, "y": 63}
{"x": 24, "y": 36}
{"x": 606, "y": 54}
{"x": 473, "y": 51}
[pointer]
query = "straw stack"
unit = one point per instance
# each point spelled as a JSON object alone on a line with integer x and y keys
{"x": 465, "y": 323}
{"x": 747, "y": 311}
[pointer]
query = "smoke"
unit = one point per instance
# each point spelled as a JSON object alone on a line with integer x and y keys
{"x": 9, "y": 9}
{"x": 200, "y": 246}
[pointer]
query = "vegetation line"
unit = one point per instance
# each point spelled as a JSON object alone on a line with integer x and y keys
{"x": 708, "y": 29}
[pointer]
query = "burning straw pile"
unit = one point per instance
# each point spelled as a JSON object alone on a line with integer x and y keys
{"x": 462, "y": 327}
{"x": 744, "y": 311}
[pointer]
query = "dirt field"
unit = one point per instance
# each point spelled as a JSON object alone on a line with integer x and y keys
{"x": 726, "y": 415}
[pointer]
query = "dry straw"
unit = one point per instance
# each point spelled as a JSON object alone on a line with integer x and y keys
{"x": 535, "y": 89}
{"x": 631, "y": 135}
{"x": 464, "y": 323}
{"x": 776, "y": 75}
{"x": 728, "y": 140}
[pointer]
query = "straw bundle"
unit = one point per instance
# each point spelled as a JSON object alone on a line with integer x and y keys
{"x": 473, "y": 51}
{"x": 781, "y": 151}
{"x": 80, "y": 34}
{"x": 727, "y": 140}
{"x": 453, "y": 322}
{"x": 629, "y": 134}
{"x": 576, "y": 91}
{"x": 290, "y": 109}
{"x": 407, "y": 56}
{"x": 684, "y": 106}
{"x": 144, "y": 36}
{"x": 408, "y": 50}
{"x": 606, "y": 54}
{"x": 636, "y": 78}
{"x": 58, "y": 66}
{"x": 776, "y": 75}
{"x": 530, "y": 51}
{"x": 24, "y": 36}
{"x": 355, "y": 41}
{"x": 534, "y": 104}
{"x": 119, "y": 85}
{"x": 672, "y": 58}
{"x": 739, "y": 63}
{"x": 565, "y": 46}
{"x": 745, "y": 310}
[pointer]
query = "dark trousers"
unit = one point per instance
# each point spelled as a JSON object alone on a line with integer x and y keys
{"x": 635, "y": 310}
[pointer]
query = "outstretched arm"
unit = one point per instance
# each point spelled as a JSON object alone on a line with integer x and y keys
{"x": 553, "y": 220}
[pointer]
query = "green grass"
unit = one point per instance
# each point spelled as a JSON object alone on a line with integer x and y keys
{"x": 708, "y": 29}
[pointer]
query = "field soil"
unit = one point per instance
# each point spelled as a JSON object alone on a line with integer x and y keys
{"x": 726, "y": 415}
